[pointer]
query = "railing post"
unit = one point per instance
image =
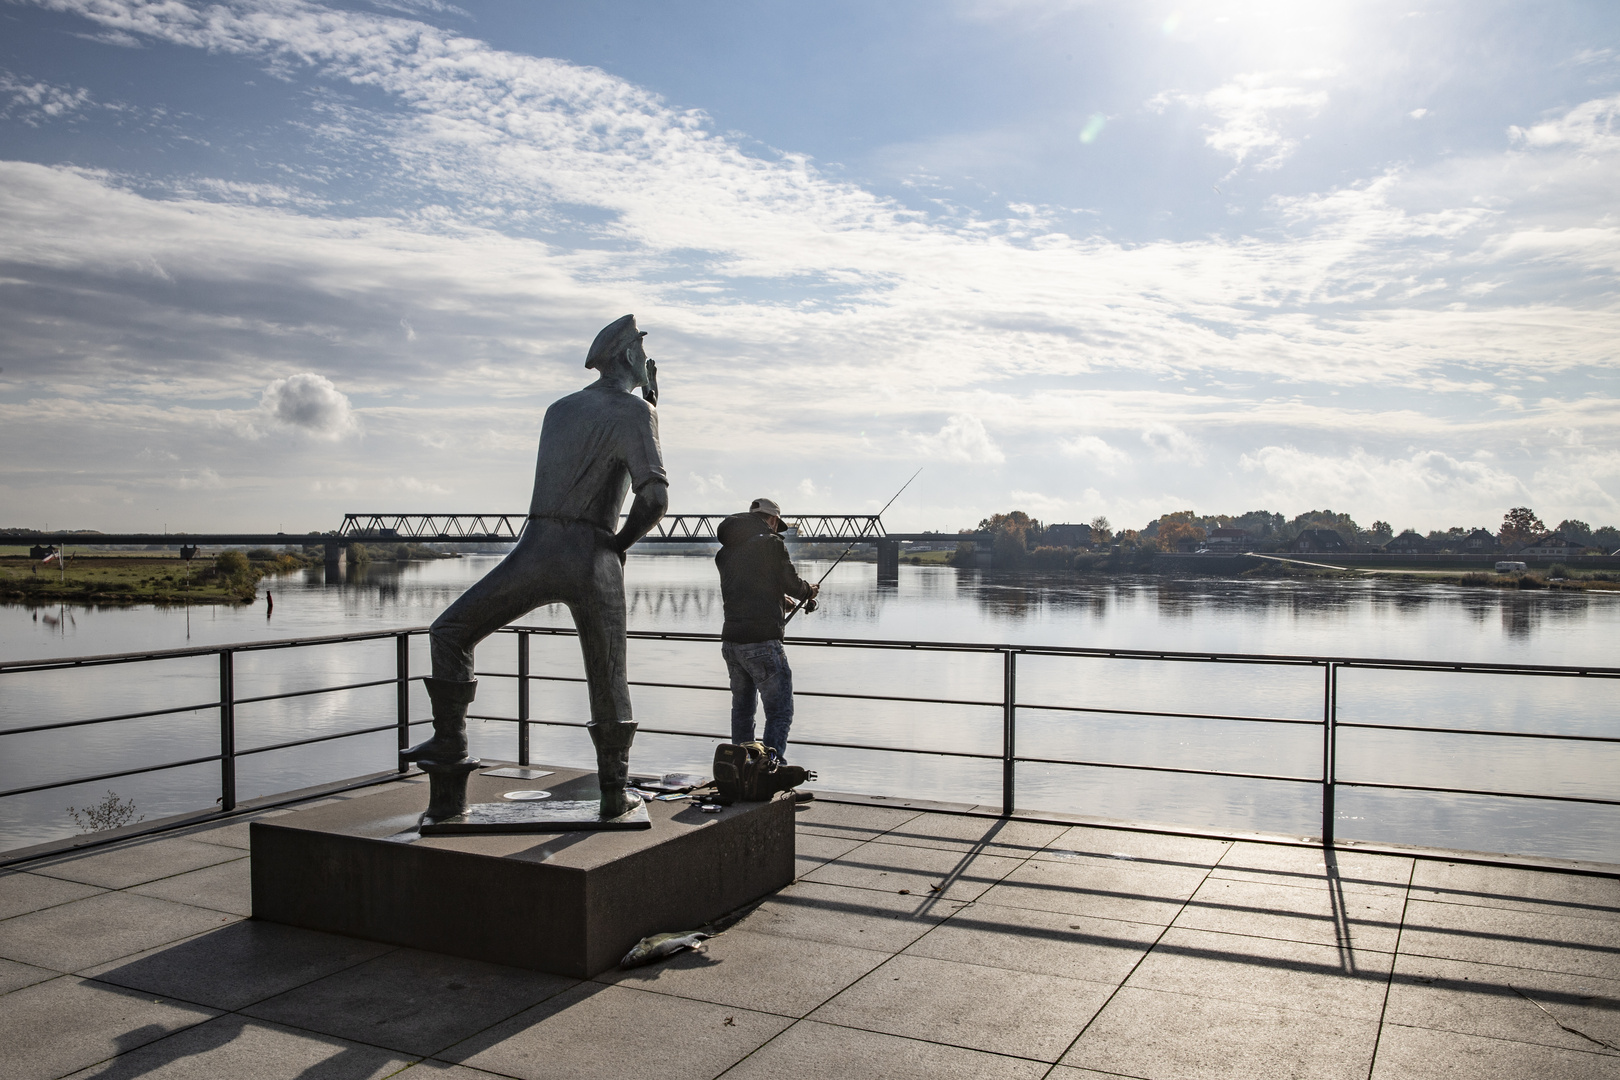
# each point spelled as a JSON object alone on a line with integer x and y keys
{"x": 402, "y": 694}
{"x": 1009, "y": 729}
{"x": 523, "y": 698}
{"x": 227, "y": 730}
{"x": 1330, "y": 709}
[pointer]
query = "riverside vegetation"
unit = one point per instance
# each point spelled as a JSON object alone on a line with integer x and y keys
{"x": 1023, "y": 543}
{"x": 127, "y": 577}
{"x": 231, "y": 577}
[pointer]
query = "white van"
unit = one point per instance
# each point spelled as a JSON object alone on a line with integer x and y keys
{"x": 1508, "y": 566}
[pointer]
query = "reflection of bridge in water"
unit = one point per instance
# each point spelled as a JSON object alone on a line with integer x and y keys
{"x": 860, "y": 529}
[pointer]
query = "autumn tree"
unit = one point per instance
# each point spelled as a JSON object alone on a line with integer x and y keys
{"x": 1012, "y": 535}
{"x": 1176, "y": 528}
{"x": 1574, "y": 529}
{"x": 1520, "y": 526}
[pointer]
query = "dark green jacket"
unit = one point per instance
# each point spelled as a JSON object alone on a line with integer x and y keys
{"x": 755, "y": 573}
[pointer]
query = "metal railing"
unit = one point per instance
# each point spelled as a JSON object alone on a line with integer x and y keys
{"x": 1008, "y": 707}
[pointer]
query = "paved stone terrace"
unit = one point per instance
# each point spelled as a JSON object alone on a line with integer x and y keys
{"x": 912, "y": 945}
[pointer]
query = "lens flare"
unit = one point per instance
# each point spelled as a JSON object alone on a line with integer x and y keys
{"x": 1093, "y": 128}
{"x": 1171, "y": 21}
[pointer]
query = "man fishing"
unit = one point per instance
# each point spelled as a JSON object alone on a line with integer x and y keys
{"x": 756, "y": 581}
{"x": 595, "y": 446}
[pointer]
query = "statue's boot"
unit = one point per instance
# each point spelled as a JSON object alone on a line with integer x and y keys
{"x": 449, "y": 743}
{"x": 613, "y": 767}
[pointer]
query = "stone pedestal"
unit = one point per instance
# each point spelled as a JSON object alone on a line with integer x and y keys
{"x": 571, "y": 903}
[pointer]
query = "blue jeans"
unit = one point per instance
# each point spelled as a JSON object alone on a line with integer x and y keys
{"x": 761, "y": 668}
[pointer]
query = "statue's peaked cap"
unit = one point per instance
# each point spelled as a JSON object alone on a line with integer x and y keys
{"x": 613, "y": 338}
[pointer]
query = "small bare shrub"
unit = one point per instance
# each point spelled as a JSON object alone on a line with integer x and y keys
{"x": 110, "y": 813}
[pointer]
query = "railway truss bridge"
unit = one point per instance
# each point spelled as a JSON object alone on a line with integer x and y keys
{"x": 859, "y": 529}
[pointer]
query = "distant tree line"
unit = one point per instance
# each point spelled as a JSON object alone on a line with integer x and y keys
{"x": 1023, "y": 541}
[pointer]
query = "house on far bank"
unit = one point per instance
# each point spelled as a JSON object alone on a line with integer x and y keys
{"x": 1071, "y": 536}
{"x": 1552, "y": 546}
{"x": 1409, "y": 543}
{"x": 1480, "y": 542}
{"x": 1319, "y": 541}
{"x": 1223, "y": 539}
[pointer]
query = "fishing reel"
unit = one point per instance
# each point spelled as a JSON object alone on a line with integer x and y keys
{"x": 810, "y": 605}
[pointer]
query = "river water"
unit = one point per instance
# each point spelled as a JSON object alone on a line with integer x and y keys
{"x": 1369, "y": 618}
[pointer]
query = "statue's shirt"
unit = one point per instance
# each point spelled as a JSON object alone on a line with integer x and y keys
{"x": 594, "y": 447}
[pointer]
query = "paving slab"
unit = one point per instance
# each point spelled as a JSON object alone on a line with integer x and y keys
{"x": 135, "y": 863}
{"x": 15, "y": 976}
{"x": 233, "y": 833}
{"x": 236, "y": 965}
{"x": 1041, "y": 942}
{"x": 1423, "y": 1054}
{"x": 226, "y": 886}
{"x": 235, "y": 1046}
{"x": 101, "y": 928}
{"x": 1487, "y": 935}
{"x": 995, "y": 836}
{"x": 1143, "y": 846}
{"x": 851, "y": 821}
{"x": 1351, "y": 871}
{"x": 812, "y": 1051}
{"x": 767, "y": 972}
{"x": 1316, "y": 915}
{"x": 21, "y": 893}
{"x": 598, "y": 1032}
{"x": 57, "y": 1027}
{"x": 1163, "y": 1036}
{"x": 418, "y": 1003}
{"x": 981, "y": 1008}
{"x": 1267, "y": 971}
{"x": 840, "y": 915}
{"x": 919, "y": 871}
{"x": 1100, "y": 887}
{"x": 1505, "y": 1003}
{"x": 1517, "y": 890}
{"x": 812, "y": 849}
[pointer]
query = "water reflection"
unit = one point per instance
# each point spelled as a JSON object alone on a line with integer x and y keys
{"x": 1324, "y": 618}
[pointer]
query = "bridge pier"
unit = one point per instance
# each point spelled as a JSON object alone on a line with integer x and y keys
{"x": 888, "y": 560}
{"x": 337, "y": 559}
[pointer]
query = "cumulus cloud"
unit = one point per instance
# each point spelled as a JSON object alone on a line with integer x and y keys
{"x": 1592, "y": 126}
{"x": 705, "y": 486}
{"x": 963, "y": 438}
{"x": 1251, "y": 110}
{"x": 309, "y": 403}
{"x": 1415, "y": 488}
{"x": 35, "y": 102}
{"x": 1170, "y": 443}
{"x": 1099, "y": 454}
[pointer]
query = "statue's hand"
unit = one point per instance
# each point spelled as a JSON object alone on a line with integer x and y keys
{"x": 649, "y": 392}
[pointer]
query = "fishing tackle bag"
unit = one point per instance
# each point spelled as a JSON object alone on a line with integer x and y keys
{"x": 748, "y": 773}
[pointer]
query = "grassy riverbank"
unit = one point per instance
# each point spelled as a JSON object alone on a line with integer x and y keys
{"x": 142, "y": 578}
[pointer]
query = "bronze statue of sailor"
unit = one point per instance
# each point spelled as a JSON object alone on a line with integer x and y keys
{"x": 595, "y": 446}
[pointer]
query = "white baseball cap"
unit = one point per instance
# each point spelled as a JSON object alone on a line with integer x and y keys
{"x": 765, "y": 506}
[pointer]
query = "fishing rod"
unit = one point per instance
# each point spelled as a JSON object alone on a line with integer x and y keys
{"x": 850, "y": 548}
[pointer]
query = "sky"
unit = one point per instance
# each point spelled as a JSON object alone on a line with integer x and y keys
{"x": 267, "y": 262}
